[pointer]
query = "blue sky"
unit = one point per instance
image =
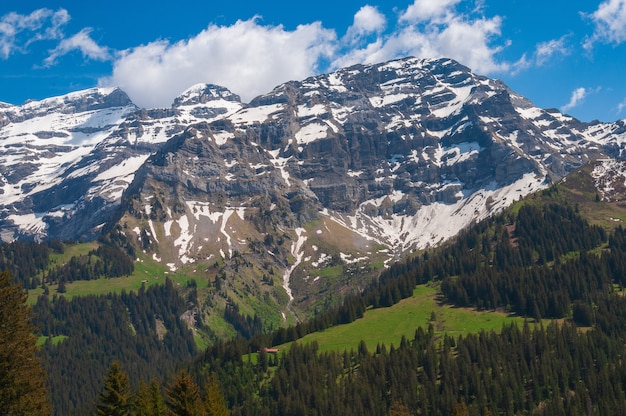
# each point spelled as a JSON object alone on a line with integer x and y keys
{"x": 559, "y": 54}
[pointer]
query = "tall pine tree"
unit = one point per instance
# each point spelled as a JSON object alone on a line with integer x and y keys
{"x": 214, "y": 401}
{"x": 150, "y": 400}
{"x": 116, "y": 399}
{"x": 22, "y": 381}
{"x": 184, "y": 397}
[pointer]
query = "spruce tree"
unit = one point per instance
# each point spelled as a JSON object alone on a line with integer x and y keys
{"x": 149, "y": 400}
{"x": 23, "y": 388}
{"x": 184, "y": 397}
{"x": 214, "y": 401}
{"x": 116, "y": 399}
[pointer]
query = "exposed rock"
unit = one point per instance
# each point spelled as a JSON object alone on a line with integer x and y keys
{"x": 368, "y": 162}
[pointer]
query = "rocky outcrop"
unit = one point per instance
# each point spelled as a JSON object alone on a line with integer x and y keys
{"x": 373, "y": 142}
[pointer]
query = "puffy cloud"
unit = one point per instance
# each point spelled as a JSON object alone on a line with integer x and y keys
{"x": 367, "y": 20}
{"x": 578, "y": 95}
{"x": 424, "y": 10}
{"x": 432, "y": 30}
{"x": 17, "y": 31}
{"x": 469, "y": 43}
{"x": 610, "y": 23}
{"x": 81, "y": 42}
{"x": 250, "y": 58}
{"x": 246, "y": 57}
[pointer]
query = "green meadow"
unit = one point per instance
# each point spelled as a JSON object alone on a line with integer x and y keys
{"x": 388, "y": 325}
{"x": 147, "y": 272}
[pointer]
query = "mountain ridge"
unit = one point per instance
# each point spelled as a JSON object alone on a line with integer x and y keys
{"x": 314, "y": 182}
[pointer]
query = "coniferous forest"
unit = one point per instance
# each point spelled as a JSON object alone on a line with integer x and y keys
{"x": 131, "y": 353}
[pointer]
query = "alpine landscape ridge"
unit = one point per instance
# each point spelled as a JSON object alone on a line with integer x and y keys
{"x": 318, "y": 184}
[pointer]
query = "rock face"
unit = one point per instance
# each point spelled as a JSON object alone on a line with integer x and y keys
{"x": 326, "y": 175}
{"x": 65, "y": 161}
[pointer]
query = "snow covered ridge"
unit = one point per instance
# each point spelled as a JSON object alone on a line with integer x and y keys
{"x": 378, "y": 145}
{"x": 79, "y": 152}
{"x": 610, "y": 179}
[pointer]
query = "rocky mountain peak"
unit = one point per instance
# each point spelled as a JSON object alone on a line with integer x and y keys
{"x": 360, "y": 165}
{"x": 77, "y": 102}
{"x": 204, "y": 93}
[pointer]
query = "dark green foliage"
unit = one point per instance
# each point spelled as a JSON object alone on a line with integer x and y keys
{"x": 544, "y": 261}
{"x": 149, "y": 400}
{"x": 116, "y": 399}
{"x": 245, "y": 326}
{"x": 517, "y": 371}
{"x": 108, "y": 260}
{"x": 183, "y": 397}
{"x": 536, "y": 264}
{"x": 23, "y": 260}
{"x": 102, "y": 329}
{"x": 214, "y": 401}
{"x": 22, "y": 379}
{"x": 527, "y": 274}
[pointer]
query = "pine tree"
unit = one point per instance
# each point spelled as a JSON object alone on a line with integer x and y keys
{"x": 214, "y": 402}
{"x": 149, "y": 400}
{"x": 22, "y": 381}
{"x": 184, "y": 397}
{"x": 116, "y": 399}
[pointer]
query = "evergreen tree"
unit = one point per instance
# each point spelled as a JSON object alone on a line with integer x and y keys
{"x": 184, "y": 397}
{"x": 214, "y": 402}
{"x": 149, "y": 400}
{"x": 116, "y": 399}
{"x": 22, "y": 383}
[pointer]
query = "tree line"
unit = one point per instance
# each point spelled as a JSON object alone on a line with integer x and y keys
{"x": 543, "y": 260}
{"x": 142, "y": 330}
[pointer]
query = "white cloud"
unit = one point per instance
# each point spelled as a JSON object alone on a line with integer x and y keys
{"x": 81, "y": 42}
{"x": 578, "y": 95}
{"x": 246, "y": 57}
{"x": 250, "y": 59}
{"x": 469, "y": 42}
{"x": 18, "y": 31}
{"x": 439, "y": 33}
{"x": 610, "y": 23}
{"x": 367, "y": 20}
{"x": 546, "y": 51}
{"x": 621, "y": 106}
{"x": 424, "y": 10}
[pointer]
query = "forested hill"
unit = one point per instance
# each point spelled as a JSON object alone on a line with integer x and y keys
{"x": 540, "y": 260}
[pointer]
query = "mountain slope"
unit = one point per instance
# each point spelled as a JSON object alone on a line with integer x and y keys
{"x": 65, "y": 161}
{"x": 303, "y": 194}
{"x": 329, "y": 178}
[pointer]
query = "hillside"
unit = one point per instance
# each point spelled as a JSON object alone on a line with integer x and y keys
{"x": 453, "y": 292}
{"x": 332, "y": 203}
{"x": 297, "y": 198}
{"x": 574, "y": 278}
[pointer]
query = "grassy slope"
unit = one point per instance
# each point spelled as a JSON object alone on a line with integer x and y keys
{"x": 388, "y": 325}
{"x": 385, "y": 325}
{"x": 147, "y": 271}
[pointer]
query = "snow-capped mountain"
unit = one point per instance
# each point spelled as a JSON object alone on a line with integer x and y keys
{"x": 339, "y": 170}
{"x": 65, "y": 161}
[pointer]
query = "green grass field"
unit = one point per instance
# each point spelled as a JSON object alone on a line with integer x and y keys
{"x": 147, "y": 272}
{"x": 388, "y": 325}
{"x": 55, "y": 340}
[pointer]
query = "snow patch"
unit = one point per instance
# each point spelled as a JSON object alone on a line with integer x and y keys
{"x": 298, "y": 252}
{"x": 255, "y": 114}
{"x": 311, "y": 132}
